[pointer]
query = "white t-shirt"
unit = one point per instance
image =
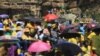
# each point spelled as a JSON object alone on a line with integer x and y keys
{"x": 20, "y": 22}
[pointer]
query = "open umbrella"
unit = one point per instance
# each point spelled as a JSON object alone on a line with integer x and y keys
{"x": 39, "y": 46}
{"x": 68, "y": 34}
{"x": 32, "y": 19}
{"x": 50, "y": 17}
{"x": 4, "y": 16}
{"x": 68, "y": 49}
{"x": 96, "y": 31}
{"x": 97, "y": 26}
{"x": 61, "y": 20}
{"x": 91, "y": 25}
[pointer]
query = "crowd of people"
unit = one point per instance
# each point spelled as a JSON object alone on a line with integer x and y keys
{"x": 44, "y": 38}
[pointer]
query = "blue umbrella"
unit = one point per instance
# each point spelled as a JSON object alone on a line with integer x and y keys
{"x": 4, "y": 16}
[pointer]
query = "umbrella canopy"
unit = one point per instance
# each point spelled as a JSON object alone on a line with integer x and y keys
{"x": 50, "y": 17}
{"x": 4, "y": 16}
{"x": 39, "y": 46}
{"x": 32, "y": 19}
{"x": 71, "y": 29}
{"x": 68, "y": 34}
{"x": 97, "y": 26}
{"x": 68, "y": 49}
{"x": 61, "y": 20}
{"x": 91, "y": 25}
{"x": 96, "y": 30}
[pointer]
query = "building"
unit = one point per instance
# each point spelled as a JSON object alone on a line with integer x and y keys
{"x": 19, "y": 6}
{"x": 35, "y": 7}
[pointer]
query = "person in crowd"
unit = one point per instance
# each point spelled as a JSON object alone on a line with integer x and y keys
{"x": 50, "y": 32}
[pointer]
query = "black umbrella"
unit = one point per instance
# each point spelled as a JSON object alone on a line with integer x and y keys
{"x": 60, "y": 20}
{"x": 32, "y": 19}
{"x": 67, "y": 34}
{"x": 68, "y": 49}
{"x": 24, "y": 19}
{"x": 96, "y": 30}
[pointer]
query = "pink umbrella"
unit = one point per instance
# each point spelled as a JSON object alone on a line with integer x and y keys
{"x": 50, "y": 17}
{"x": 91, "y": 25}
{"x": 39, "y": 46}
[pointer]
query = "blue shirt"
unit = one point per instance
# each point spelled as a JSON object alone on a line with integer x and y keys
{"x": 1, "y": 25}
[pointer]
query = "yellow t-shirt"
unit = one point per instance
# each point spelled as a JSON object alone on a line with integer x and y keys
{"x": 24, "y": 37}
{"x": 6, "y": 28}
{"x": 86, "y": 55}
{"x": 5, "y": 22}
{"x": 14, "y": 25}
{"x": 29, "y": 25}
{"x": 18, "y": 51}
{"x": 27, "y": 30}
{"x": 73, "y": 40}
{"x": 84, "y": 49}
{"x": 18, "y": 28}
{"x": 82, "y": 38}
{"x": 14, "y": 33}
{"x": 91, "y": 35}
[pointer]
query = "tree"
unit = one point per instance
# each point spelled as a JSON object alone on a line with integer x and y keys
{"x": 96, "y": 44}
